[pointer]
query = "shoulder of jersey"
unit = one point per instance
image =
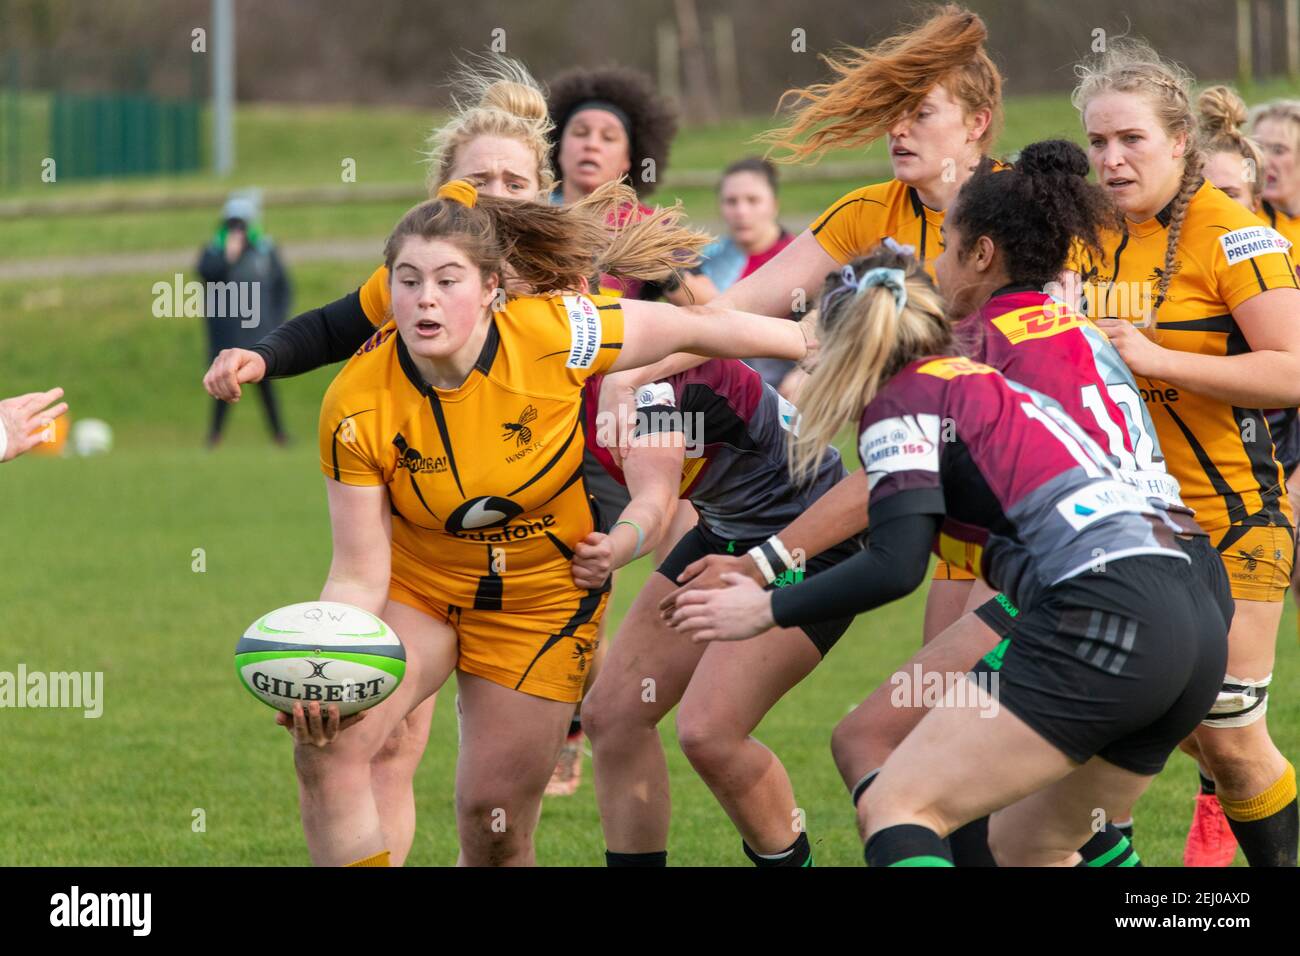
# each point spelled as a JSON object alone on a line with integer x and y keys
{"x": 952, "y": 366}
{"x": 1217, "y": 210}
{"x": 882, "y": 196}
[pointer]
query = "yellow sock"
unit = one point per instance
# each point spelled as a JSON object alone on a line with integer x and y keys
{"x": 1277, "y": 796}
{"x": 377, "y": 859}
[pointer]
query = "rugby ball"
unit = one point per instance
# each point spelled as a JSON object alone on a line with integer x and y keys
{"x": 323, "y": 651}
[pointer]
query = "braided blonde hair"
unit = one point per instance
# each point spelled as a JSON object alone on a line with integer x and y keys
{"x": 1132, "y": 66}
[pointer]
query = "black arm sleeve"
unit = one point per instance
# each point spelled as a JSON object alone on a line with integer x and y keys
{"x": 319, "y": 337}
{"x": 892, "y": 566}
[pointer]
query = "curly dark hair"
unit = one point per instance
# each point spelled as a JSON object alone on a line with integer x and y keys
{"x": 654, "y": 122}
{"x": 1035, "y": 211}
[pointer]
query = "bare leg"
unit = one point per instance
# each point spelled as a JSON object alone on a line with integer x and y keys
{"x": 734, "y": 686}
{"x": 646, "y": 673}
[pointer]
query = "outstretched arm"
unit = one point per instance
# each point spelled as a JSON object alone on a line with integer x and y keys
{"x": 654, "y": 330}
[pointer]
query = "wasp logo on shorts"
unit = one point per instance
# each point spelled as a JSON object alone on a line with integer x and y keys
{"x": 1252, "y": 557}
{"x": 523, "y": 435}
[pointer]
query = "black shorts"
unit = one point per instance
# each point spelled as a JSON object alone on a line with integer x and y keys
{"x": 1122, "y": 663}
{"x": 700, "y": 542}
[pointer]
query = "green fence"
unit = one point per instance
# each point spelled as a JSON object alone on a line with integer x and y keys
{"x": 96, "y": 130}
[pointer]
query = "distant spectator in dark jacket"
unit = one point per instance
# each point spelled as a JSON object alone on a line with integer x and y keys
{"x": 252, "y": 298}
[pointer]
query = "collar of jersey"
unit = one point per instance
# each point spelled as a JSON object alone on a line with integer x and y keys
{"x": 483, "y": 365}
{"x": 1161, "y": 219}
{"x": 933, "y": 216}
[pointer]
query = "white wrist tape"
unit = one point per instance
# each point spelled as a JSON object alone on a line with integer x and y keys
{"x": 4, "y": 441}
{"x": 764, "y": 566}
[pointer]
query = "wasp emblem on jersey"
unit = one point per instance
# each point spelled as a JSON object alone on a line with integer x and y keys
{"x": 523, "y": 435}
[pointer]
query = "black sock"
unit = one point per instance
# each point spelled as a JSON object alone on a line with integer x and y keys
{"x": 1270, "y": 841}
{"x": 798, "y": 853}
{"x": 636, "y": 859}
{"x": 1207, "y": 783}
{"x": 970, "y": 844}
{"x": 1126, "y": 828}
{"x": 1267, "y": 825}
{"x": 1110, "y": 847}
{"x": 906, "y": 844}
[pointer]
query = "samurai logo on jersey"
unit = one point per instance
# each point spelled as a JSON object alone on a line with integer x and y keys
{"x": 1242, "y": 244}
{"x": 907, "y": 443}
{"x": 417, "y": 464}
{"x": 584, "y": 331}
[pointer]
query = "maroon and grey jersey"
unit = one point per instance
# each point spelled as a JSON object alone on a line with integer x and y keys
{"x": 1028, "y": 498}
{"x": 1039, "y": 341}
{"x": 736, "y": 471}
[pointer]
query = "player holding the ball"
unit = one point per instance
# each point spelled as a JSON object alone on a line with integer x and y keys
{"x": 452, "y": 450}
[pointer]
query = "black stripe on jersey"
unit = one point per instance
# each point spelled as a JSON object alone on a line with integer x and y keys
{"x": 918, "y": 207}
{"x": 400, "y": 444}
{"x": 1211, "y": 323}
{"x": 586, "y": 610}
{"x": 831, "y": 215}
{"x": 552, "y": 463}
{"x": 491, "y": 588}
{"x": 576, "y": 476}
{"x": 413, "y": 375}
{"x": 603, "y": 345}
{"x": 1232, "y": 501}
{"x": 334, "y": 442}
{"x": 441, "y": 419}
{"x": 487, "y": 355}
{"x": 561, "y": 547}
{"x": 1259, "y": 277}
{"x": 1264, "y": 467}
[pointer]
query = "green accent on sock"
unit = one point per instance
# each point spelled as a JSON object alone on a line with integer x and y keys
{"x": 923, "y": 861}
{"x": 808, "y": 862}
{"x": 731, "y": 547}
{"x": 1131, "y": 861}
{"x": 994, "y": 657}
{"x": 1120, "y": 847}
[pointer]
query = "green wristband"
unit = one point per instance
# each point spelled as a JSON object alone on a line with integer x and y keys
{"x": 640, "y": 535}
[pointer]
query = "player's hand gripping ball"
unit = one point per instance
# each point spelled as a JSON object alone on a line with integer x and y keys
{"x": 320, "y": 651}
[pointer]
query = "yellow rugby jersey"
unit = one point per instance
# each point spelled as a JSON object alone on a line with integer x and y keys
{"x": 1226, "y": 257}
{"x": 1288, "y": 226}
{"x": 377, "y": 298}
{"x": 856, "y": 223}
{"x": 485, "y": 481}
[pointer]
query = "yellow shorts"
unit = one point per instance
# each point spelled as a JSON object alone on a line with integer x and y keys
{"x": 546, "y": 652}
{"x": 943, "y": 571}
{"x": 1258, "y": 560}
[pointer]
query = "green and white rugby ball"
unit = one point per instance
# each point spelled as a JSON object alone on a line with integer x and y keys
{"x": 322, "y": 651}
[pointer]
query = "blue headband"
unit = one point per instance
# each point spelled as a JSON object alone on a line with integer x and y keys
{"x": 895, "y": 280}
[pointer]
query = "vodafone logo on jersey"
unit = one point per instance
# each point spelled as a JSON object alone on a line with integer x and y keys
{"x": 486, "y": 511}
